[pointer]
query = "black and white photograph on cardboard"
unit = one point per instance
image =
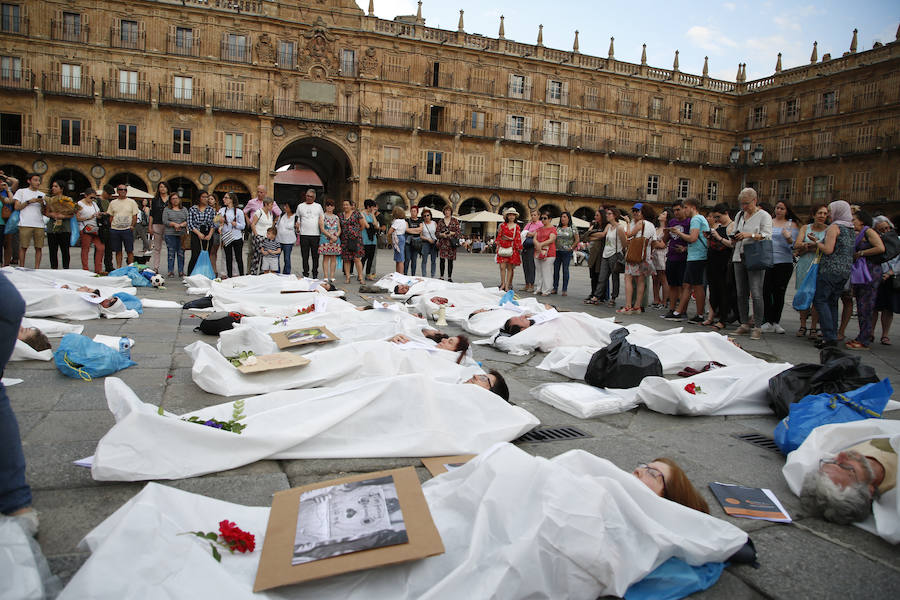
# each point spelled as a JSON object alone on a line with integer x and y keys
{"x": 350, "y": 517}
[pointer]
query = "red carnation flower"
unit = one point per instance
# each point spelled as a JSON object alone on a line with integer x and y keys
{"x": 235, "y": 538}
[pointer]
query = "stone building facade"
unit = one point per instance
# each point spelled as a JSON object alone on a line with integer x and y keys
{"x": 219, "y": 94}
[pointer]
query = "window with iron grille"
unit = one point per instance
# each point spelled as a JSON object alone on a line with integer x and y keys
{"x": 184, "y": 39}
{"x": 712, "y": 192}
{"x": 71, "y": 76}
{"x": 861, "y": 181}
{"x": 348, "y": 63}
{"x": 70, "y": 132}
{"x": 554, "y": 91}
{"x": 9, "y": 18}
{"x": 652, "y": 186}
{"x": 71, "y": 26}
{"x": 433, "y": 162}
{"x": 718, "y": 115}
{"x": 687, "y": 111}
{"x": 477, "y": 120}
{"x": 683, "y": 189}
{"x": 829, "y": 101}
{"x": 181, "y": 141}
{"x": 127, "y": 137}
{"x": 286, "y": 54}
{"x": 236, "y": 47}
{"x": 10, "y": 68}
{"x": 184, "y": 88}
{"x": 128, "y": 83}
{"x": 517, "y": 86}
{"x": 128, "y": 33}
{"x": 517, "y": 126}
{"x": 621, "y": 180}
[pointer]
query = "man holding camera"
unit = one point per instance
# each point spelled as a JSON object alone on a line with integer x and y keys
{"x": 30, "y": 204}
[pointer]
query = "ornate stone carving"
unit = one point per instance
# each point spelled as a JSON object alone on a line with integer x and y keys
{"x": 265, "y": 102}
{"x": 318, "y": 50}
{"x": 265, "y": 50}
{"x": 368, "y": 65}
{"x": 284, "y": 82}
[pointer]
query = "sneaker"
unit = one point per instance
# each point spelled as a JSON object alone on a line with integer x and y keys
{"x": 766, "y": 328}
{"x": 696, "y": 319}
{"x": 777, "y": 328}
{"x": 756, "y": 333}
{"x": 744, "y": 329}
{"x": 672, "y": 316}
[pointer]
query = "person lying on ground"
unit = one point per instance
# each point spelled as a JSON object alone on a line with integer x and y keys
{"x": 441, "y": 341}
{"x": 34, "y": 337}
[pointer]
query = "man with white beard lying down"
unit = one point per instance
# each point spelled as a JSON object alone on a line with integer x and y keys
{"x": 513, "y": 526}
{"x": 216, "y": 375}
{"x": 523, "y": 334}
{"x": 374, "y": 417}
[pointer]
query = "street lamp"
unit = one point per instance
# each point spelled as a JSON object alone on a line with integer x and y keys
{"x": 755, "y": 157}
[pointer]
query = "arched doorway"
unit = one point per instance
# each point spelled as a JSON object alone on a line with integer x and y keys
{"x": 185, "y": 188}
{"x": 15, "y": 171}
{"x": 585, "y": 213}
{"x": 552, "y": 209}
{"x": 74, "y": 182}
{"x": 313, "y": 162}
{"x": 520, "y": 208}
{"x": 386, "y": 201}
{"x": 432, "y": 201}
{"x": 128, "y": 179}
{"x": 472, "y": 205}
{"x": 236, "y": 187}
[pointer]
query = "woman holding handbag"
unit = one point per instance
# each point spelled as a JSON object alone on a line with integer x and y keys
{"x": 90, "y": 233}
{"x": 637, "y": 257}
{"x": 865, "y": 277}
{"x": 613, "y": 238}
{"x": 200, "y": 226}
{"x": 447, "y": 231}
{"x": 528, "y": 250}
{"x": 60, "y": 209}
{"x": 834, "y": 269}
{"x": 352, "y": 251}
{"x": 429, "y": 242}
{"x": 544, "y": 256}
{"x": 509, "y": 247}
{"x": 753, "y": 226}
{"x": 806, "y": 253}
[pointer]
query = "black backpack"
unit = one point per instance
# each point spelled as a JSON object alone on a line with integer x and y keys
{"x": 204, "y": 302}
{"x": 217, "y": 322}
{"x": 621, "y": 364}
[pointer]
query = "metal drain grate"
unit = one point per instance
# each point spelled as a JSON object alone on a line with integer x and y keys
{"x": 552, "y": 434}
{"x": 759, "y": 440}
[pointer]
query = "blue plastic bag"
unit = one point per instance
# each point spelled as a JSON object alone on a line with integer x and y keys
{"x": 203, "y": 266}
{"x": 675, "y": 579}
{"x": 76, "y": 232}
{"x": 509, "y": 297}
{"x": 867, "y": 402}
{"x": 137, "y": 280}
{"x": 12, "y": 223}
{"x": 130, "y": 302}
{"x": 807, "y": 289}
{"x": 80, "y": 357}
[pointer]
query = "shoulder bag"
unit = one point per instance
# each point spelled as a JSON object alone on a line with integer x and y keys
{"x": 637, "y": 248}
{"x": 757, "y": 256}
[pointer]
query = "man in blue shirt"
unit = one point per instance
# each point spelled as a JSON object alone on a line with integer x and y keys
{"x": 695, "y": 268}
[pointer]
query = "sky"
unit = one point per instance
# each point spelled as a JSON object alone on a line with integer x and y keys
{"x": 728, "y": 32}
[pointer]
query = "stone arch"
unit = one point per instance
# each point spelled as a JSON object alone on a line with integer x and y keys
{"x": 554, "y": 210}
{"x": 520, "y": 208}
{"x": 189, "y": 191}
{"x": 12, "y": 170}
{"x": 435, "y": 201}
{"x": 135, "y": 181}
{"x": 472, "y": 205}
{"x": 585, "y": 212}
{"x": 75, "y": 182}
{"x": 329, "y": 159}
{"x": 240, "y": 189}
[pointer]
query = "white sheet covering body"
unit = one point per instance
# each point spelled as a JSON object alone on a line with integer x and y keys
{"x": 464, "y": 298}
{"x": 78, "y": 277}
{"x": 252, "y": 333}
{"x": 275, "y": 304}
{"x": 518, "y": 526}
{"x": 676, "y": 350}
{"x": 825, "y": 442}
{"x": 568, "y": 329}
{"x": 216, "y": 375}
{"x": 44, "y": 298}
{"x": 406, "y": 415}
{"x": 489, "y": 322}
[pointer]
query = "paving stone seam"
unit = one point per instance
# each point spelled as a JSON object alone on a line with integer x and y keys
{"x": 846, "y": 546}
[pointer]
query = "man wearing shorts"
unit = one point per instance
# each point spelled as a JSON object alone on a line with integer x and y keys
{"x": 123, "y": 213}
{"x": 676, "y": 255}
{"x": 30, "y": 204}
{"x": 695, "y": 267}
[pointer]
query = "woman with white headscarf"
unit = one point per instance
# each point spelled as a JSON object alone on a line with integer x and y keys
{"x": 834, "y": 269}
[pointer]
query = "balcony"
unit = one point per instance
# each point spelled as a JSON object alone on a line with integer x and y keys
{"x": 860, "y": 146}
{"x": 127, "y": 39}
{"x": 515, "y": 133}
{"x": 519, "y": 92}
{"x": 756, "y": 121}
{"x": 171, "y": 95}
{"x": 62, "y": 85}
{"x": 181, "y": 46}
{"x": 626, "y": 147}
{"x": 69, "y": 32}
{"x": 691, "y": 118}
{"x": 788, "y": 116}
{"x": 717, "y": 121}
{"x": 234, "y": 102}
{"x": 236, "y": 53}
{"x": 239, "y": 6}
{"x": 439, "y": 79}
{"x": 472, "y": 179}
{"x": 580, "y": 187}
{"x": 549, "y": 185}
{"x": 14, "y": 25}
{"x": 658, "y": 113}
{"x": 825, "y": 108}
{"x": 403, "y": 120}
{"x": 593, "y": 143}
{"x": 329, "y": 112}
{"x": 125, "y": 92}
{"x": 691, "y": 155}
{"x": 627, "y": 107}
{"x": 394, "y": 73}
{"x": 864, "y": 101}
{"x": 487, "y": 129}
{"x": 16, "y": 141}
{"x": 558, "y": 98}
{"x": 17, "y": 80}
{"x": 404, "y": 172}
{"x": 551, "y": 137}
{"x": 480, "y": 85}
{"x": 286, "y": 60}
{"x": 592, "y": 102}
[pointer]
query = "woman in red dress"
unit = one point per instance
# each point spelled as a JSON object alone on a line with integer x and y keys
{"x": 509, "y": 247}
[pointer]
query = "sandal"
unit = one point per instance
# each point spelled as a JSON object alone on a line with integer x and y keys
{"x": 813, "y": 333}
{"x": 855, "y": 345}
{"x": 625, "y": 310}
{"x": 801, "y": 332}
{"x": 706, "y": 323}
{"x": 885, "y": 340}
{"x": 719, "y": 326}
{"x": 592, "y": 300}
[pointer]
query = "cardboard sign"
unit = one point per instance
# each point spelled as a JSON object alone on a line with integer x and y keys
{"x": 302, "y": 337}
{"x": 346, "y": 525}
{"x": 443, "y": 464}
{"x": 271, "y": 362}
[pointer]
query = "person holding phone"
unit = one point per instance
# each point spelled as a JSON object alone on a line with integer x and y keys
{"x": 30, "y": 204}
{"x": 784, "y": 235}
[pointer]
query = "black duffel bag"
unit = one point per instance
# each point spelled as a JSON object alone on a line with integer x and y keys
{"x": 839, "y": 372}
{"x": 621, "y": 364}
